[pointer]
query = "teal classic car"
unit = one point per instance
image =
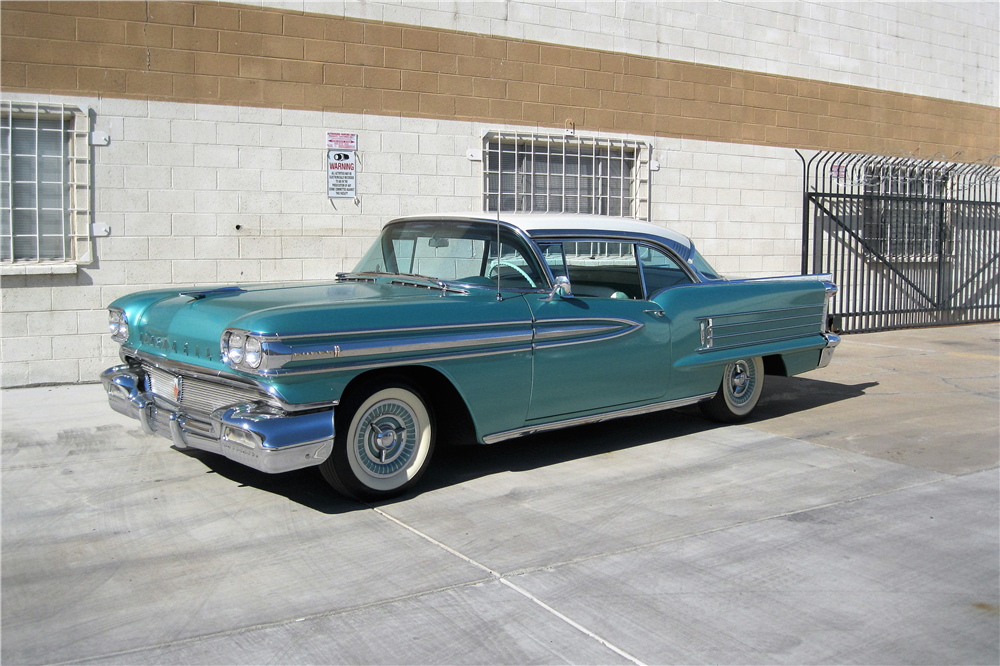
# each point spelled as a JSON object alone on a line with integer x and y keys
{"x": 458, "y": 327}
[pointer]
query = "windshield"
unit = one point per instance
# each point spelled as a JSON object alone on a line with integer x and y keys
{"x": 454, "y": 251}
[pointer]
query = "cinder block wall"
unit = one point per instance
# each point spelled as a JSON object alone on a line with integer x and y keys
{"x": 217, "y": 117}
{"x": 945, "y": 50}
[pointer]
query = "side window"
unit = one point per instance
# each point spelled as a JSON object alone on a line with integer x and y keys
{"x": 660, "y": 270}
{"x": 513, "y": 266}
{"x": 552, "y": 253}
{"x": 603, "y": 269}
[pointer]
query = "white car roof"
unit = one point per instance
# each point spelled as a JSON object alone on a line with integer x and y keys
{"x": 538, "y": 225}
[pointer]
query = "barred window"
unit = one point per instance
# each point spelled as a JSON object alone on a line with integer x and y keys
{"x": 44, "y": 183}
{"x": 543, "y": 173}
{"x": 904, "y": 210}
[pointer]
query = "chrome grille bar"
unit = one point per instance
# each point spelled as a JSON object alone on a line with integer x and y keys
{"x": 194, "y": 394}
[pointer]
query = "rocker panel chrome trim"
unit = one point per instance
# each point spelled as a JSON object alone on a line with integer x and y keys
{"x": 595, "y": 418}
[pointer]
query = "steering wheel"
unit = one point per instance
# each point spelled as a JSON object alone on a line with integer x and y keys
{"x": 496, "y": 263}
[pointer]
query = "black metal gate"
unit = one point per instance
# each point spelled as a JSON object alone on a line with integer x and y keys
{"x": 909, "y": 242}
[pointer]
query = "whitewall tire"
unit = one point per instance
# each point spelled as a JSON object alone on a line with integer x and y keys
{"x": 384, "y": 441}
{"x": 739, "y": 391}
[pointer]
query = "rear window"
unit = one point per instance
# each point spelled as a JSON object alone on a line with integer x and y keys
{"x": 703, "y": 266}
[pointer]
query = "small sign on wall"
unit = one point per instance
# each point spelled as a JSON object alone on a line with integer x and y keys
{"x": 341, "y": 169}
{"x": 340, "y": 175}
{"x": 341, "y": 141}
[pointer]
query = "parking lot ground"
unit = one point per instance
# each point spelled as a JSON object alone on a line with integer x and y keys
{"x": 854, "y": 519}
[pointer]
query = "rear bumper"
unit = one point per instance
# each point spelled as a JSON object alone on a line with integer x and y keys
{"x": 258, "y": 436}
{"x": 826, "y": 354}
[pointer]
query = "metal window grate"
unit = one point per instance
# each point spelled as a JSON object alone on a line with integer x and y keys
{"x": 44, "y": 182}
{"x": 901, "y": 207}
{"x": 548, "y": 173}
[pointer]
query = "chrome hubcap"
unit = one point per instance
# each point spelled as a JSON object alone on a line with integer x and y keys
{"x": 386, "y": 436}
{"x": 741, "y": 382}
{"x": 385, "y": 439}
{"x": 740, "y": 379}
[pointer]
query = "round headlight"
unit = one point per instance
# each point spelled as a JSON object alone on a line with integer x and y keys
{"x": 253, "y": 354}
{"x": 236, "y": 348}
{"x": 114, "y": 321}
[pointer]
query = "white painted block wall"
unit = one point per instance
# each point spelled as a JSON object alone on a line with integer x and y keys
{"x": 199, "y": 194}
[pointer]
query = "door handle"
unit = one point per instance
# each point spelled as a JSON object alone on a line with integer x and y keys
{"x": 655, "y": 313}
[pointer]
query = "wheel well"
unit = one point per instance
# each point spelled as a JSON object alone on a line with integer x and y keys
{"x": 451, "y": 413}
{"x": 775, "y": 365}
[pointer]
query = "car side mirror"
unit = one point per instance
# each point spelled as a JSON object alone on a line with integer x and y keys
{"x": 562, "y": 288}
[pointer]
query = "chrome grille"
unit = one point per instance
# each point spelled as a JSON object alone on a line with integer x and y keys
{"x": 197, "y": 395}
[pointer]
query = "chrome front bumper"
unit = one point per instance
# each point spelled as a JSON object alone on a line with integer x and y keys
{"x": 826, "y": 355}
{"x": 255, "y": 435}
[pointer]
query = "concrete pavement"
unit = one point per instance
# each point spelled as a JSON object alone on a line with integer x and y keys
{"x": 853, "y": 520}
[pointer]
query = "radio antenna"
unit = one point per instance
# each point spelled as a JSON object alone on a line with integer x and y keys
{"x": 499, "y": 297}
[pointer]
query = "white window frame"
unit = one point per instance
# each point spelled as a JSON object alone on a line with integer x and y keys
{"x": 529, "y": 172}
{"x": 75, "y": 187}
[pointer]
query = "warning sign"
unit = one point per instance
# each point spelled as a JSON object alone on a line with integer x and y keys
{"x": 341, "y": 141}
{"x": 341, "y": 174}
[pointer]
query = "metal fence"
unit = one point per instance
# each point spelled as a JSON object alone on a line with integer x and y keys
{"x": 909, "y": 242}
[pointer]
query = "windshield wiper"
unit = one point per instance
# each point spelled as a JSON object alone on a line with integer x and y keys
{"x": 407, "y": 279}
{"x": 358, "y": 277}
{"x": 425, "y": 282}
{"x": 417, "y": 276}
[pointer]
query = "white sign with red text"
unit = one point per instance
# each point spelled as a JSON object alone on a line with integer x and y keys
{"x": 341, "y": 141}
{"x": 341, "y": 174}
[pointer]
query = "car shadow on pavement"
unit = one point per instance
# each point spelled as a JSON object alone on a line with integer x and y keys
{"x": 782, "y": 395}
{"x": 453, "y": 465}
{"x": 787, "y": 395}
{"x": 304, "y": 486}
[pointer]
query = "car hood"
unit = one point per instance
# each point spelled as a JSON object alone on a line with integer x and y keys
{"x": 187, "y": 326}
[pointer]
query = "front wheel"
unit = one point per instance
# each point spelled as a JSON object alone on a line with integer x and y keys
{"x": 742, "y": 383}
{"x": 383, "y": 443}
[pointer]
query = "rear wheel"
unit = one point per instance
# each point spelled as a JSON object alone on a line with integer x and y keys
{"x": 742, "y": 383}
{"x": 384, "y": 440}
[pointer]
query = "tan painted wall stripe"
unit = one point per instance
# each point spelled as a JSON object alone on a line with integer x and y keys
{"x": 233, "y": 54}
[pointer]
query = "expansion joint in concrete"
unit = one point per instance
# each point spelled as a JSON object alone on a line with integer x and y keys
{"x": 520, "y": 590}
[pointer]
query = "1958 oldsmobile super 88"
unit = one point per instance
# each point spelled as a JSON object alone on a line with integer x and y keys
{"x": 465, "y": 326}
